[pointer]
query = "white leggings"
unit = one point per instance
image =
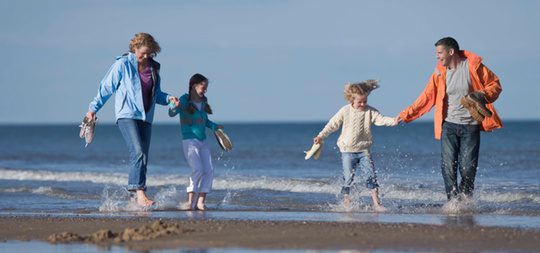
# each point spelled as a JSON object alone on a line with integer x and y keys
{"x": 199, "y": 159}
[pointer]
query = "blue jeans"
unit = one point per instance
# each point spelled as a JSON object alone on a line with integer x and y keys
{"x": 351, "y": 163}
{"x": 460, "y": 145}
{"x": 137, "y": 135}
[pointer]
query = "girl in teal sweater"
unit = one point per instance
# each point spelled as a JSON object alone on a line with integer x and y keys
{"x": 193, "y": 108}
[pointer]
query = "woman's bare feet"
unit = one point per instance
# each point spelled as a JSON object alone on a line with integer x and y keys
{"x": 143, "y": 200}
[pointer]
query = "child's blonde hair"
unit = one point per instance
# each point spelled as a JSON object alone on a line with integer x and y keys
{"x": 361, "y": 88}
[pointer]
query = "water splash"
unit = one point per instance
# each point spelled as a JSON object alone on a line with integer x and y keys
{"x": 118, "y": 199}
{"x": 168, "y": 198}
{"x": 460, "y": 205}
{"x": 226, "y": 161}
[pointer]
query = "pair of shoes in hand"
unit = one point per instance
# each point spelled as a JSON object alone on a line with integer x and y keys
{"x": 475, "y": 103}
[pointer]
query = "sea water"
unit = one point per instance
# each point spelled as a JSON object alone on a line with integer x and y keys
{"x": 47, "y": 169}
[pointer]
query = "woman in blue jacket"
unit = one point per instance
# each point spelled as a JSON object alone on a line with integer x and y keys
{"x": 134, "y": 80}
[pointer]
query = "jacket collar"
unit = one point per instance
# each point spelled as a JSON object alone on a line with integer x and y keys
{"x": 133, "y": 60}
{"x": 474, "y": 60}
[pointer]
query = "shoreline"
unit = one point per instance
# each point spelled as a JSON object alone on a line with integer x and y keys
{"x": 263, "y": 234}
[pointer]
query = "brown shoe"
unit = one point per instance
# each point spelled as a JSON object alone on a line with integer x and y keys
{"x": 480, "y": 103}
{"x": 475, "y": 114}
{"x": 476, "y": 104}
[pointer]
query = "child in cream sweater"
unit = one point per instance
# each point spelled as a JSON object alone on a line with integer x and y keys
{"x": 355, "y": 139}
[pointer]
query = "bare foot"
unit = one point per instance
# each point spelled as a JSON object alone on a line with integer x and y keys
{"x": 379, "y": 209}
{"x": 347, "y": 203}
{"x": 143, "y": 200}
{"x": 201, "y": 207}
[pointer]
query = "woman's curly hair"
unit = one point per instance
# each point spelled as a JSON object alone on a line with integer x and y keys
{"x": 361, "y": 88}
{"x": 144, "y": 39}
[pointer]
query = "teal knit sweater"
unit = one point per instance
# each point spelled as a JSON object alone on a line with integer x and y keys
{"x": 193, "y": 125}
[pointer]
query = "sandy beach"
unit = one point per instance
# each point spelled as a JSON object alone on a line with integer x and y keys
{"x": 276, "y": 234}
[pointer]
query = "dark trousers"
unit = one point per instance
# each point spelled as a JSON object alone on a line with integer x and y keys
{"x": 460, "y": 145}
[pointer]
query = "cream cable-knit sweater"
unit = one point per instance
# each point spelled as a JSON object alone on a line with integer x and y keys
{"x": 356, "y": 131}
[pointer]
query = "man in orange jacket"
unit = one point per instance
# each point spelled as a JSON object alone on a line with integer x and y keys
{"x": 462, "y": 90}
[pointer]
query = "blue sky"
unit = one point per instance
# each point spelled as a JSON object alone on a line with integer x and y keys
{"x": 266, "y": 60}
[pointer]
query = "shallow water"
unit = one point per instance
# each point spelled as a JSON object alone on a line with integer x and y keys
{"x": 46, "y": 169}
{"x": 33, "y": 246}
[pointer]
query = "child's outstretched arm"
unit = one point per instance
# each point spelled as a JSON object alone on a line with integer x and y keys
{"x": 380, "y": 120}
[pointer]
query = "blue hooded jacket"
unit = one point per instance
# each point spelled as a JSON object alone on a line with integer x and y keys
{"x": 123, "y": 80}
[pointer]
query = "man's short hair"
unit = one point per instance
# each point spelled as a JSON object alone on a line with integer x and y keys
{"x": 448, "y": 42}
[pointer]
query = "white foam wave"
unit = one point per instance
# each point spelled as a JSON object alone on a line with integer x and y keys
{"x": 43, "y": 175}
{"x": 239, "y": 183}
{"x": 231, "y": 183}
{"x": 507, "y": 197}
{"x": 43, "y": 190}
{"x": 276, "y": 184}
{"x": 14, "y": 190}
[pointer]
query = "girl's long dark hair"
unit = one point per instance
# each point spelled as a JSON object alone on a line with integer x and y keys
{"x": 196, "y": 79}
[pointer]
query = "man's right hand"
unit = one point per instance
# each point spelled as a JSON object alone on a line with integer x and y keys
{"x": 317, "y": 140}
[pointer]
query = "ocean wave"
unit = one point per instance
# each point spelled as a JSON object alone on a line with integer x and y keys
{"x": 230, "y": 183}
{"x": 398, "y": 191}
{"x": 43, "y": 190}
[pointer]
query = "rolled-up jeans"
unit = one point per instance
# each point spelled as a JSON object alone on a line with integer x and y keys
{"x": 352, "y": 163}
{"x": 460, "y": 146}
{"x": 137, "y": 134}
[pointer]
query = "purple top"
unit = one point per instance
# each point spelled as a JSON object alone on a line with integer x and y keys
{"x": 147, "y": 85}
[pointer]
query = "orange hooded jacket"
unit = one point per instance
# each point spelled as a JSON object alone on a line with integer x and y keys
{"x": 482, "y": 79}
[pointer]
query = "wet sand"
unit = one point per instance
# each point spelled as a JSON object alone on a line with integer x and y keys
{"x": 174, "y": 233}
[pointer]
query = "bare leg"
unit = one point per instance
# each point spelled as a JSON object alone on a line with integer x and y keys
{"x": 347, "y": 201}
{"x": 376, "y": 201}
{"x": 143, "y": 200}
{"x": 190, "y": 196}
{"x": 200, "y": 201}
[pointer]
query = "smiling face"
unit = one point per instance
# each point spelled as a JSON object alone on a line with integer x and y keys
{"x": 199, "y": 89}
{"x": 143, "y": 53}
{"x": 444, "y": 55}
{"x": 359, "y": 102}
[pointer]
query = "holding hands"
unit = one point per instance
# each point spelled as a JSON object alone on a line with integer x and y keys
{"x": 173, "y": 99}
{"x": 398, "y": 120}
